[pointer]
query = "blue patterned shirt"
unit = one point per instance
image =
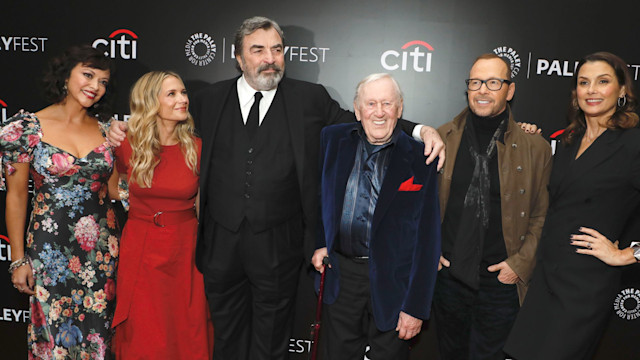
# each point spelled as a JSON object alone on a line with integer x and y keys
{"x": 361, "y": 195}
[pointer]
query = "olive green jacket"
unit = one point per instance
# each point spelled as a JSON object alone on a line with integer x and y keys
{"x": 524, "y": 163}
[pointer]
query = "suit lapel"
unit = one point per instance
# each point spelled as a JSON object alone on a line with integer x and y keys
{"x": 397, "y": 172}
{"x": 294, "y": 114}
{"x": 561, "y": 161}
{"x": 602, "y": 148}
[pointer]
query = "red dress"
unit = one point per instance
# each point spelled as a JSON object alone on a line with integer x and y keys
{"x": 161, "y": 309}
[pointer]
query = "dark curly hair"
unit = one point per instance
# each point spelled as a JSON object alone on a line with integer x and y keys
{"x": 624, "y": 117}
{"x": 59, "y": 70}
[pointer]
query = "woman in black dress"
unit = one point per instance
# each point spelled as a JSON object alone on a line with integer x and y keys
{"x": 595, "y": 183}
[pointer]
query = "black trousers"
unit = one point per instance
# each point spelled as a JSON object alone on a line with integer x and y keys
{"x": 251, "y": 282}
{"x": 348, "y": 324}
{"x": 473, "y": 324}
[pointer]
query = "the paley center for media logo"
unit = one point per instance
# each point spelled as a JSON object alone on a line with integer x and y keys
{"x": 200, "y": 49}
{"x": 122, "y": 43}
{"x": 627, "y": 304}
{"x": 510, "y": 54}
{"x": 414, "y": 55}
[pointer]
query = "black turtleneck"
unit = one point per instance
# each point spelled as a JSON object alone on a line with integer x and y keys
{"x": 486, "y": 127}
{"x": 493, "y": 250}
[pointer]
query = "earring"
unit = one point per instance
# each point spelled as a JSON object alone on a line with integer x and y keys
{"x": 623, "y": 102}
{"x": 64, "y": 89}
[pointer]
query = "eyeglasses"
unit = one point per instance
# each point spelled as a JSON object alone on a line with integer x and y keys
{"x": 493, "y": 84}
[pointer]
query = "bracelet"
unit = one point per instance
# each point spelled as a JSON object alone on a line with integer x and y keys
{"x": 18, "y": 263}
{"x": 636, "y": 250}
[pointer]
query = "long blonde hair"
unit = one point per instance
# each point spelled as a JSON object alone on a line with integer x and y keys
{"x": 143, "y": 132}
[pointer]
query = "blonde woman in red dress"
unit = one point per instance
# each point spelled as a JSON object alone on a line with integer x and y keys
{"x": 161, "y": 311}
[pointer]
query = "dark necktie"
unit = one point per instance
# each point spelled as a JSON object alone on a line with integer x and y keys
{"x": 254, "y": 116}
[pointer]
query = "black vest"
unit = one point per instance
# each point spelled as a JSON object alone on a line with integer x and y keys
{"x": 255, "y": 179}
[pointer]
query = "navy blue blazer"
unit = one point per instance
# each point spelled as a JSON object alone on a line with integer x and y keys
{"x": 405, "y": 246}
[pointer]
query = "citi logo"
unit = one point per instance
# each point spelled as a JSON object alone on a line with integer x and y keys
{"x": 5, "y": 249}
{"x": 416, "y": 56}
{"x": 3, "y": 111}
{"x": 121, "y": 42}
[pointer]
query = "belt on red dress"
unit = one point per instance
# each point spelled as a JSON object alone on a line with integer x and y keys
{"x": 162, "y": 218}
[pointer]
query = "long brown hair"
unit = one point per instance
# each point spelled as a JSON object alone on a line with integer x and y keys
{"x": 624, "y": 116}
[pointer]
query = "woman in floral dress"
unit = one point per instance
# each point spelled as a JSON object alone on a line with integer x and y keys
{"x": 71, "y": 242}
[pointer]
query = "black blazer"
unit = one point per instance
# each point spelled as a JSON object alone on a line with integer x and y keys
{"x": 570, "y": 296}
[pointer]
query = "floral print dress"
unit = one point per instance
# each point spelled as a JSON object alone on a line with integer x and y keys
{"x": 72, "y": 240}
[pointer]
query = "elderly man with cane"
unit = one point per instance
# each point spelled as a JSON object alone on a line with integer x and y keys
{"x": 380, "y": 229}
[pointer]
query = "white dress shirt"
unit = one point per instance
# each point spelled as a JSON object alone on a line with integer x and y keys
{"x": 246, "y": 97}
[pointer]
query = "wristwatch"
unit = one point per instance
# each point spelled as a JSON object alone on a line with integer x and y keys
{"x": 636, "y": 250}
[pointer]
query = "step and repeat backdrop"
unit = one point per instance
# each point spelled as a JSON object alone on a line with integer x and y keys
{"x": 427, "y": 45}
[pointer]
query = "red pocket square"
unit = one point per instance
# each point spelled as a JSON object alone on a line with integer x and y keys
{"x": 409, "y": 186}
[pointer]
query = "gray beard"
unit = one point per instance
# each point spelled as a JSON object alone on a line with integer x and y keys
{"x": 267, "y": 82}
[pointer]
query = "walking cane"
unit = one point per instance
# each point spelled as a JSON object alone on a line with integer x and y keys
{"x": 315, "y": 327}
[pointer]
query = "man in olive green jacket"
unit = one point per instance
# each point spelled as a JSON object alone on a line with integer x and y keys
{"x": 493, "y": 201}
